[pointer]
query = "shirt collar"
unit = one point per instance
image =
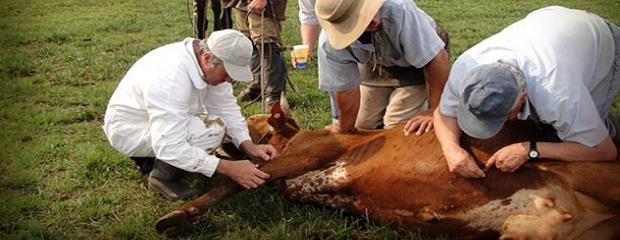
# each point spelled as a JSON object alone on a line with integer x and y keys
{"x": 197, "y": 76}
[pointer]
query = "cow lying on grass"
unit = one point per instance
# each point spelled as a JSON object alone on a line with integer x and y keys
{"x": 404, "y": 181}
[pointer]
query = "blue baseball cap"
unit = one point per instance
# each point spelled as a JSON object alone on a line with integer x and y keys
{"x": 489, "y": 93}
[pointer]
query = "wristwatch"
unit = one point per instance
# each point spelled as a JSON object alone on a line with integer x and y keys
{"x": 533, "y": 153}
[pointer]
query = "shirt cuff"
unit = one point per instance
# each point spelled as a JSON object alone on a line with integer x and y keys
{"x": 208, "y": 166}
{"x": 237, "y": 139}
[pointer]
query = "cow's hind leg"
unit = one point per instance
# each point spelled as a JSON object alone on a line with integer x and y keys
{"x": 326, "y": 187}
{"x": 559, "y": 214}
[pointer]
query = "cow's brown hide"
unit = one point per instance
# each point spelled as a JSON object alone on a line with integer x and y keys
{"x": 404, "y": 181}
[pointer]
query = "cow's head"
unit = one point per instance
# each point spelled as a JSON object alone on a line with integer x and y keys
{"x": 275, "y": 128}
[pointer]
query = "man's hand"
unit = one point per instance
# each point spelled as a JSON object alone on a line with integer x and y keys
{"x": 335, "y": 128}
{"x": 257, "y": 6}
{"x": 419, "y": 124}
{"x": 509, "y": 158}
{"x": 462, "y": 163}
{"x": 263, "y": 152}
{"x": 243, "y": 172}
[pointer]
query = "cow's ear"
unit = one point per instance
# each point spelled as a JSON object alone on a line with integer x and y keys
{"x": 277, "y": 118}
{"x": 280, "y": 120}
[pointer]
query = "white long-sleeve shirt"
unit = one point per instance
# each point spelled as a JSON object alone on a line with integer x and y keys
{"x": 149, "y": 113}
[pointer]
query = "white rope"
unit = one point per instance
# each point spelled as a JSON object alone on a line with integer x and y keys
{"x": 262, "y": 61}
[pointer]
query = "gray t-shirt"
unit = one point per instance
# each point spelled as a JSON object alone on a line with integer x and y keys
{"x": 407, "y": 37}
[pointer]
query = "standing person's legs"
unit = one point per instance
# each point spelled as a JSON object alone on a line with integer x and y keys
{"x": 265, "y": 34}
{"x": 373, "y": 102}
{"x": 240, "y": 21}
{"x": 252, "y": 89}
{"x": 405, "y": 103}
{"x": 199, "y": 18}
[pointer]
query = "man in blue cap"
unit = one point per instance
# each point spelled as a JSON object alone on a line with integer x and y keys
{"x": 557, "y": 66}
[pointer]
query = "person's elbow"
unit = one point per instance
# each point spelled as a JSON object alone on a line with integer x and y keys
{"x": 606, "y": 151}
{"x": 440, "y": 63}
{"x": 611, "y": 155}
{"x": 440, "y": 117}
{"x": 437, "y": 114}
{"x": 438, "y": 69}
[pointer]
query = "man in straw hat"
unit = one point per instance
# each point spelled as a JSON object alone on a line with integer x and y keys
{"x": 164, "y": 111}
{"x": 557, "y": 66}
{"x": 382, "y": 45}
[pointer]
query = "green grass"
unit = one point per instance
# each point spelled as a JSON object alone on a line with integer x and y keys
{"x": 60, "y": 62}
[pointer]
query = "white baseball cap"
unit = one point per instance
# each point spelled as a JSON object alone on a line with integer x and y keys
{"x": 235, "y": 50}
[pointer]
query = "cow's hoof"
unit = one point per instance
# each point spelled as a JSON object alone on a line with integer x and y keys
{"x": 173, "y": 219}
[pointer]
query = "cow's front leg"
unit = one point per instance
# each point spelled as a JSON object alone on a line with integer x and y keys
{"x": 191, "y": 211}
{"x": 325, "y": 186}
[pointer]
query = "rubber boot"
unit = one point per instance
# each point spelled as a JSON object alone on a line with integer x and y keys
{"x": 144, "y": 164}
{"x": 166, "y": 180}
{"x": 250, "y": 95}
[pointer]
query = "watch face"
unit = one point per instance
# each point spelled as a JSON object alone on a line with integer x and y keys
{"x": 533, "y": 154}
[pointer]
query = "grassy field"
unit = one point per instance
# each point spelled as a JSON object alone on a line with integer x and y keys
{"x": 60, "y": 62}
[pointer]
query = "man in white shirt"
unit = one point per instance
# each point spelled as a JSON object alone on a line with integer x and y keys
{"x": 176, "y": 104}
{"x": 557, "y": 66}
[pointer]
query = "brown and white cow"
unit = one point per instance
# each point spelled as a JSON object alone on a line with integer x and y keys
{"x": 404, "y": 181}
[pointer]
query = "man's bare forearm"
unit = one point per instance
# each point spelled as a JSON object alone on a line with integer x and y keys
{"x": 446, "y": 130}
{"x": 572, "y": 151}
{"x": 309, "y": 35}
{"x": 436, "y": 74}
{"x": 348, "y": 106}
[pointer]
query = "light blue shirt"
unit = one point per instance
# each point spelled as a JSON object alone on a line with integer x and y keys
{"x": 407, "y": 37}
{"x": 566, "y": 57}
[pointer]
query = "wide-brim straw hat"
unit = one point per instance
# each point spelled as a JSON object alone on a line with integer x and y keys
{"x": 345, "y": 20}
